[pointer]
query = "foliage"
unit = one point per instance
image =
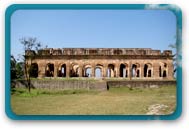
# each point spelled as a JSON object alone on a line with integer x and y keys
{"x": 29, "y": 44}
{"x": 16, "y": 69}
{"x": 173, "y": 46}
{"x": 13, "y": 67}
{"x": 19, "y": 70}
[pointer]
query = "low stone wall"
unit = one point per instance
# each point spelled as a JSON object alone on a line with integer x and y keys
{"x": 141, "y": 83}
{"x": 92, "y": 84}
{"x": 64, "y": 84}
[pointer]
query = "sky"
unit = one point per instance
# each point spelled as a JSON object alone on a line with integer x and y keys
{"x": 154, "y": 29}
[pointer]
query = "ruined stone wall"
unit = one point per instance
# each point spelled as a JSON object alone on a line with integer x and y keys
{"x": 93, "y": 63}
{"x": 100, "y": 85}
{"x": 117, "y": 63}
{"x": 140, "y": 84}
{"x": 64, "y": 84}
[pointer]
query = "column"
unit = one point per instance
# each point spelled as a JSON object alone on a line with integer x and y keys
{"x": 80, "y": 71}
{"x": 67, "y": 70}
{"x": 112, "y": 73}
{"x": 130, "y": 70}
{"x": 117, "y": 70}
{"x": 93, "y": 71}
{"x": 142, "y": 70}
{"x": 55, "y": 69}
{"x": 41, "y": 70}
{"x": 104, "y": 74}
{"x": 155, "y": 67}
{"x": 170, "y": 71}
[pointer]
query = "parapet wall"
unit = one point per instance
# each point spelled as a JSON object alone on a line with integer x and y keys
{"x": 91, "y": 84}
{"x": 143, "y": 84}
{"x": 64, "y": 84}
{"x": 99, "y": 51}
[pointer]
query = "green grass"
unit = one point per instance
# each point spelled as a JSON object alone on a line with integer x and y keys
{"x": 121, "y": 101}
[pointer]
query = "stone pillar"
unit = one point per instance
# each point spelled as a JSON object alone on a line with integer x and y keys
{"x": 170, "y": 70}
{"x": 55, "y": 69}
{"x": 80, "y": 71}
{"x": 92, "y": 71}
{"x": 112, "y": 73}
{"x": 142, "y": 70}
{"x": 104, "y": 74}
{"x": 117, "y": 70}
{"x": 130, "y": 70}
{"x": 155, "y": 67}
{"x": 41, "y": 69}
{"x": 67, "y": 70}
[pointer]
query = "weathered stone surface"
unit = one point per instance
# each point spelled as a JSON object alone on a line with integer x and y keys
{"x": 92, "y": 84}
{"x": 65, "y": 84}
{"x": 141, "y": 83}
{"x": 133, "y": 63}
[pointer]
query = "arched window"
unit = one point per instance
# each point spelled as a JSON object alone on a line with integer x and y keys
{"x": 148, "y": 70}
{"x": 62, "y": 71}
{"x": 49, "y": 71}
{"x": 123, "y": 70}
{"x": 87, "y": 71}
{"x": 98, "y": 72}
{"x": 163, "y": 70}
{"x": 34, "y": 70}
{"x": 110, "y": 71}
{"x": 135, "y": 70}
{"x": 74, "y": 70}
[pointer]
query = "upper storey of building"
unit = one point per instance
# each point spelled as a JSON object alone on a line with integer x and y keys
{"x": 99, "y": 51}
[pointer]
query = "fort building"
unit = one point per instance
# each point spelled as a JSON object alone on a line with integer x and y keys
{"x": 126, "y": 63}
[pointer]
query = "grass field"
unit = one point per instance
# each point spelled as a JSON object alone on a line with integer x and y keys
{"x": 120, "y": 101}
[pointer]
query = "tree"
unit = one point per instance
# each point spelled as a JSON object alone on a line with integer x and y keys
{"x": 30, "y": 45}
{"x": 174, "y": 47}
{"x": 19, "y": 70}
{"x": 13, "y": 68}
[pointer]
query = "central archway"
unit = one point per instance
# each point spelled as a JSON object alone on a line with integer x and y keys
{"x": 98, "y": 71}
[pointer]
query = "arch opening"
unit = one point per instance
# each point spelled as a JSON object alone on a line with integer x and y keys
{"x": 147, "y": 70}
{"x": 135, "y": 70}
{"x": 87, "y": 71}
{"x": 163, "y": 70}
{"x": 164, "y": 73}
{"x": 62, "y": 71}
{"x": 98, "y": 72}
{"x": 123, "y": 70}
{"x": 33, "y": 71}
{"x": 49, "y": 71}
{"x": 74, "y": 72}
{"x": 110, "y": 71}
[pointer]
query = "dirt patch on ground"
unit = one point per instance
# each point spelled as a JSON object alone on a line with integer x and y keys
{"x": 157, "y": 109}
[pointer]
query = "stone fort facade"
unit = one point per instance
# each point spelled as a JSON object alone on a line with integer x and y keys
{"x": 126, "y": 63}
